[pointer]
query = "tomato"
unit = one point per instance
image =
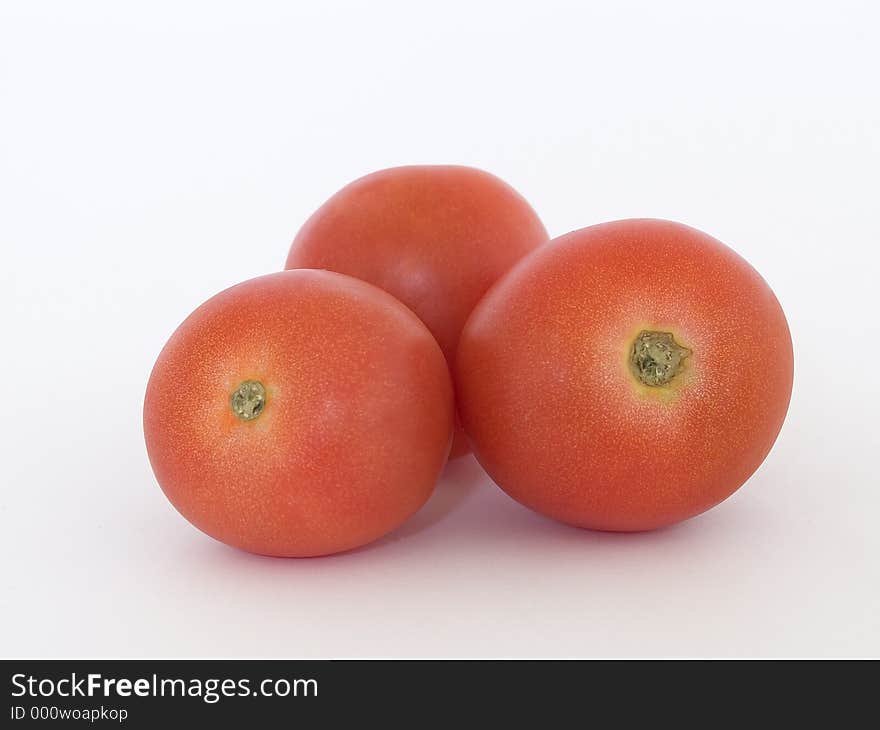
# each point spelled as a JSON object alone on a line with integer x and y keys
{"x": 300, "y": 413}
{"x": 625, "y": 376}
{"x": 436, "y": 237}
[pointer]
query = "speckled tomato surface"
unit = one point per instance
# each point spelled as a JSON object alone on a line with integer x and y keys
{"x": 298, "y": 414}
{"x": 626, "y": 376}
{"x": 435, "y": 236}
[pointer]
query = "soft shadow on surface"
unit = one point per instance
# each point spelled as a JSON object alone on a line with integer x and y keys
{"x": 494, "y": 518}
{"x": 475, "y": 512}
{"x": 459, "y": 481}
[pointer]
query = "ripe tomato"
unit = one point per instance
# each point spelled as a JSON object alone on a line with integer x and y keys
{"x": 300, "y": 413}
{"x": 626, "y": 376}
{"x": 436, "y": 237}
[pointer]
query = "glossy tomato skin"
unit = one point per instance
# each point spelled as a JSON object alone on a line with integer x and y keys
{"x": 554, "y": 410}
{"x": 356, "y": 426}
{"x": 435, "y": 236}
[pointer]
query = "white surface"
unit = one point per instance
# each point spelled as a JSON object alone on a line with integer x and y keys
{"x": 151, "y": 157}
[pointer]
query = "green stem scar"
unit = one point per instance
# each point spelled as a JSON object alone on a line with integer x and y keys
{"x": 248, "y": 400}
{"x": 656, "y": 358}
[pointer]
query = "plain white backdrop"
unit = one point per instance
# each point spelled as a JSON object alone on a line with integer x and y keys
{"x": 152, "y": 154}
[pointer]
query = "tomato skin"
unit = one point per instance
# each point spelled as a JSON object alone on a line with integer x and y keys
{"x": 356, "y": 427}
{"x": 435, "y": 236}
{"x": 557, "y": 417}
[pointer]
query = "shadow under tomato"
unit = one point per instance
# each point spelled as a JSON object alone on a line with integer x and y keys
{"x": 512, "y": 523}
{"x": 460, "y": 479}
{"x": 458, "y": 482}
{"x": 488, "y": 518}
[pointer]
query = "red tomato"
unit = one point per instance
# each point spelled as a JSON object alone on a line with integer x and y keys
{"x": 300, "y": 413}
{"x": 436, "y": 237}
{"x": 626, "y": 376}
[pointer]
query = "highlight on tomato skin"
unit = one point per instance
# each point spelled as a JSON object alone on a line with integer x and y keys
{"x": 435, "y": 236}
{"x": 626, "y": 376}
{"x": 298, "y": 414}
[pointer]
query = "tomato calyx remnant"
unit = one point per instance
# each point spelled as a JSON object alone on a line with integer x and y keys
{"x": 656, "y": 358}
{"x": 248, "y": 400}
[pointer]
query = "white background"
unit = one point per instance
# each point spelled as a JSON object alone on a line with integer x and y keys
{"x": 152, "y": 155}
